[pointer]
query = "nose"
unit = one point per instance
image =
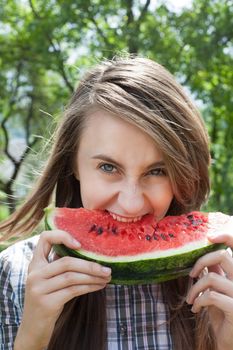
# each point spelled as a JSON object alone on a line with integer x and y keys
{"x": 131, "y": 200}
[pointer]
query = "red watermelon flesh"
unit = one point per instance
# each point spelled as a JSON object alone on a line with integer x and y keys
{"x": 146, "y": 251}
{"x": 98, "y": 232}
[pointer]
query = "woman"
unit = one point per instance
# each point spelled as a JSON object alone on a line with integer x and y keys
{"x": 130, "y": 143}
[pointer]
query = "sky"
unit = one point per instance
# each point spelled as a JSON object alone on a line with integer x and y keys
{"x": 175, "y": 5}
{"x": 179, "y": 4}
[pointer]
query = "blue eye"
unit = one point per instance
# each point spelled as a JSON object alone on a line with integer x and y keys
{"x": 108, "y": 168}
{"x": 158, "y": 172}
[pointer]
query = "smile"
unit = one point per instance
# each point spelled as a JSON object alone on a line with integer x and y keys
{"x": 124, "y": 219}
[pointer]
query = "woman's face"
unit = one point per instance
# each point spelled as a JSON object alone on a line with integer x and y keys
{"x": 121, "y": 170}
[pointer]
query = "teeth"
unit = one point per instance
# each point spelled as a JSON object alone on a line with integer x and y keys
{"x": 122, "y": 219}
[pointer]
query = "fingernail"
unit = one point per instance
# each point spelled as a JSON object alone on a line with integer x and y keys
{"x": 106, "y": 270}
{"x": 191, "y": 273}
{"x": 76, "y": 243}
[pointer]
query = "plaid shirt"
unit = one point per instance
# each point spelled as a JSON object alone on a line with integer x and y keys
{"x": 136, "y": 315}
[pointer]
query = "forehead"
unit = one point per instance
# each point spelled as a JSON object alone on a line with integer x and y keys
{"x": 107, "y": 133}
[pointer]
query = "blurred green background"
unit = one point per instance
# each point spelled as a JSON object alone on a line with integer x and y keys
{"x": 45, "y": 46}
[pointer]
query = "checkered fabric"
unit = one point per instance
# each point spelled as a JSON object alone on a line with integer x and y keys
{"x": 137, "y": 317}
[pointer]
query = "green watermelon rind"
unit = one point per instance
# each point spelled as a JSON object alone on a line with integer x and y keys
{"x": 143, "y": 268}
{"x": 145, "y": 271}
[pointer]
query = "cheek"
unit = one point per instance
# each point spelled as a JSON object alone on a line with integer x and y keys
{"x": 94, "y": 193}
{"x": 87, "y": 193}
{"x": 161, "y": 203}
{"x": 161, "y": 196}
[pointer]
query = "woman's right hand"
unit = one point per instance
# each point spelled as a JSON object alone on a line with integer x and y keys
{"x": 50, "y": 285}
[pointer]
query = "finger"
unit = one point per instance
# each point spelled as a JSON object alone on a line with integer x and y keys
{"x": 66, "y": 294}
{"x": 221, "y": 257}
{"x": 210, "y": 281}
{"x": 67, "y": 263}
{"x": 47, "y": 240}
{"x": 217, "y": 269}
{"x": 226, "y": 237}
{"x": 68, "y": 279}
{"x": 213, "y": 298}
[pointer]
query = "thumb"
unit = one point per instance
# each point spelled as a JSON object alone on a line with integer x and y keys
{"x": 48, "y": 239}
{"x": 225, "y": 238}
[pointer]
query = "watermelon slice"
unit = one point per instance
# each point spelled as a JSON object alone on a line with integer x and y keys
{"x": 142, "y": 252}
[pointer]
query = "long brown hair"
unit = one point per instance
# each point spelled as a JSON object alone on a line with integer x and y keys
{"x": 145, "y": 94}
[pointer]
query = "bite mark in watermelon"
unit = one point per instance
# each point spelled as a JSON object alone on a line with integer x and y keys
{"x": 140, "y": 252}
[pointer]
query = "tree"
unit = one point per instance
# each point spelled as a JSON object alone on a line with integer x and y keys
{"x": 46, "y": 46}
{"x": 25, "y": 88}
{"x": 206, "y": 33}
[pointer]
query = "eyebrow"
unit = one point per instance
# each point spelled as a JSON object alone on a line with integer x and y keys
{"x": 160, "y": 163}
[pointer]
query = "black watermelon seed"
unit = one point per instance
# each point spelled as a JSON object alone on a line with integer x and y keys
{"x": 156, "y": 237}
{"x": 196, "y": 222}
{"x": 114, "y": 230}
{"x": 163, "y": 236}
{"x": 100, "y": 230}
{"x": 93, "y": 228}
{"x": 171, "y": 235}
{"x": 190, "y": 216}
{"x": 148, "y": 237}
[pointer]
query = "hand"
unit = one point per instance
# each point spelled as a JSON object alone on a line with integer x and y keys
{"x": 50, "y": 285}
{"x": 214, "y": 290}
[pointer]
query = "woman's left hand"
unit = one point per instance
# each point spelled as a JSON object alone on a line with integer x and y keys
{"x": 215, "y": 289}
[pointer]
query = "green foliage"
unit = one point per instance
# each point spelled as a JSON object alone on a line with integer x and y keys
{"x": 208, "y": 32}
{"x": 46, "y": 45}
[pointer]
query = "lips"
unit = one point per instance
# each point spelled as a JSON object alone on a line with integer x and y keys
{"x": 125, "y": 219}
